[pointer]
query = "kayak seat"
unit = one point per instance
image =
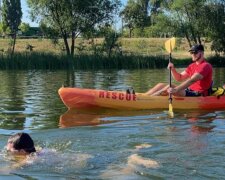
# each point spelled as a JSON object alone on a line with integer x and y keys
{"x": 130, "y": 91}
{"x": 218, "y": 91}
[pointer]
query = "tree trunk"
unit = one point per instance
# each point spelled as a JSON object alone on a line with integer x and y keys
{"x": 190, "y": 19}
{"x": 184, "y": 29}
{"x": 199, "y": 39}
{"x": 14, "y": 43}
{"x": 110, "y": 49}
{"x": 130, "y": 32}
{"x": 73, "y": 43}
{"x": 66, "y": 44}
{"x": 188, "y": 39}
{"x": 145, "y": 3}
{"x": 193, "y": 35}
{"x": 109, "y": 52}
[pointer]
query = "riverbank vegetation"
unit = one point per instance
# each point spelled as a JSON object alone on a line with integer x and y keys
{"x": 52, "y": 61}
{"x": 81, "y": 34}
{"x": 132, "y": 53}
{"x": 96, "y": 46}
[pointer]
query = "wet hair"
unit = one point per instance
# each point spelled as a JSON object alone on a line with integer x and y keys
{"x": 22, "y": 141}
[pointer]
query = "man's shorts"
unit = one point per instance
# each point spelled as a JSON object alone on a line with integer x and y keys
{"x": 191, "y": 93}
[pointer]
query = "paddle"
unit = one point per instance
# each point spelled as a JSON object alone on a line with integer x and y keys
{"x": 169, "y": 45}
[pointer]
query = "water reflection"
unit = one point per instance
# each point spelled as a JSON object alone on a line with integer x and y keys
{"x": 16, "y": 121}
{"x": 72, "y": 118}
{"x": 93, "y": 117}
{"x": 202, "y": 122}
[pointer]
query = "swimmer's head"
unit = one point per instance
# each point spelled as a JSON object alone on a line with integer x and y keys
{"x": 20, "y": 143}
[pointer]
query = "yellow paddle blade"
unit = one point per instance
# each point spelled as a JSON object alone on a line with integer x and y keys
{"x": 170, "y": 44}
{"x": 170, "y": 112}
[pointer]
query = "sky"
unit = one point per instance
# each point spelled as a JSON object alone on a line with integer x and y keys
{"x": 26, "y": 18}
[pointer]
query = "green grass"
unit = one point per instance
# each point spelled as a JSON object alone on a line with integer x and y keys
{"x": 137, "y": 46}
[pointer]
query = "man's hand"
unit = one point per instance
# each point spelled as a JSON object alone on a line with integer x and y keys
{"x": 170, "y": 65}
{"x": 172, "y": 90}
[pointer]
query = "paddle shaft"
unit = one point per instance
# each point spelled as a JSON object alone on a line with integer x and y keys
{"x": 170, "y": 81}
{"x": 169, "y": 45}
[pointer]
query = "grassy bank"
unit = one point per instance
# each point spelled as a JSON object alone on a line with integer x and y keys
{"x": 137, "y": 46}
{"x": 136, "y": 53}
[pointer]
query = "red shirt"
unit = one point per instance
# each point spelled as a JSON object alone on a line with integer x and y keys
{"x": 205, "y": 69}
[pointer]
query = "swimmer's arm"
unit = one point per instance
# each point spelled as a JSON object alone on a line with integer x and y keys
{"x": 5, "y": 170}
{"x": 19, "y": 164}
{"x": 8, "y": 169}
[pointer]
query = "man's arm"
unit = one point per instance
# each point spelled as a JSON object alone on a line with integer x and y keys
{"x": 179, "y": 89}
{"x": 177, "y": 76}
{"x": 195, "y": 77}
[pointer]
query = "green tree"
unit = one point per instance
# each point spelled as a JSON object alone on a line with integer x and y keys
{"x": 186, "y": 18}
{"x": 215, "y": 23}
{"x": 11, "y": 17}
{"x": 155, "y": 10}
{"x": 134, "y": 15}
{"x": 140, "y": 14}
{"x": 24, "y": 27}
{"x": 71, "y": 18}
{"x": 197, "y": 19}
{"x": 1, "y": 29}
{"x": 163, "y": 27}
{"x": 4, "y": 29}
{"x": 110, "y": 40}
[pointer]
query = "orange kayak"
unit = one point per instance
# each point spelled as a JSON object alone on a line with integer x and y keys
{"x": 77, "y": 98}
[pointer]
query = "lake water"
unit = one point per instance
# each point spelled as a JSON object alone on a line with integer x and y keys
{"x": 107, "y": 144}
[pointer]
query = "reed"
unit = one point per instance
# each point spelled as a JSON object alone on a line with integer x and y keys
{"x": 52, "y": 61}
{"x": 217, "y": 61}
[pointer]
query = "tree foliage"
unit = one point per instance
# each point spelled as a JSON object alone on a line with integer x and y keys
{"x": 110, "y": 40}
{"x": 24, "y": 27}
{"x": 130, "y": 15}
{"x": 200, "y": 19}
{"x": 135, "y": 14}
{"x": 11, "y": 17}
{"x": 194, "y": 20}
{"x": 140, "y": 14}
{"x": 215, "y": 22}
{"x": 71, "y": 18}
{"x": 188, "y": 18}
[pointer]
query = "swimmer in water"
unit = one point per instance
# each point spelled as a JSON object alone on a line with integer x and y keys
{"x": 20, "y": 144}
{"x": 20, "y": 147}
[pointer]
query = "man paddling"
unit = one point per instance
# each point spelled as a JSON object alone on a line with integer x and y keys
{"x": 196, "y": 78}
